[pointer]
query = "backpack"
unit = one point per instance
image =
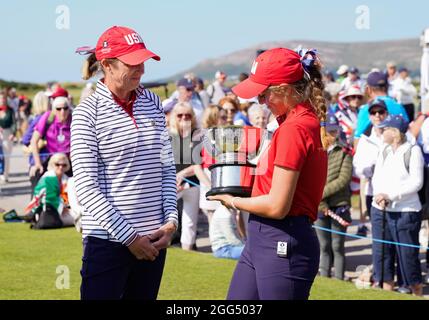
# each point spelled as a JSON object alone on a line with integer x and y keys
{"x": 46, "y": 217}
{"x": 424, "y": 191}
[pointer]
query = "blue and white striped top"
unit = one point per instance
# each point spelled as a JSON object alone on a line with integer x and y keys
{"x": 124, "y": 172}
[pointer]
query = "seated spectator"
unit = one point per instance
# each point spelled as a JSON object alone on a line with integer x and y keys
{"x": 49, "y": 207}
{"x": 224, "y": 231}
{"x": 335, "y": 203}
{"x": 398, "y": 176}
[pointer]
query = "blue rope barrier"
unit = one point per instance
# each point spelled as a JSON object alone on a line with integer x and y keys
{"x": 370, "y": 238}
{"x": 347, "y": 234}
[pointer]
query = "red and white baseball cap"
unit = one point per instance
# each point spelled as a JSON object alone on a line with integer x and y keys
{"x": 273, "y": 67}
{"x": 124, "y": 44}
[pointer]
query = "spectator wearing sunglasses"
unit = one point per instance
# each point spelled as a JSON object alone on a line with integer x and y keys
{"x": 184, "y": 141}
{"x": 365, "y": 157}
{"x": 398, "y": 176}
{"x": 50, "y": 194}
{"x": 54, "y": 128}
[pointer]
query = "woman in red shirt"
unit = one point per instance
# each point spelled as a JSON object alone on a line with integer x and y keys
{"x": 281, "y": 256}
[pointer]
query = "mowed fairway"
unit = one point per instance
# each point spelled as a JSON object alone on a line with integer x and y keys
{"x": 30, "y": 260}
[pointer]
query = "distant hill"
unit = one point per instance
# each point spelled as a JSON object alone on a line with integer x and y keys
{"x": 363, "y": 55}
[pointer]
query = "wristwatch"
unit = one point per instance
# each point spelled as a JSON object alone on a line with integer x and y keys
{"x": 174, "y": 222}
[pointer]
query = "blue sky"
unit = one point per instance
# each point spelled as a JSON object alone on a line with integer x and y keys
{"x": 184, "y": 32}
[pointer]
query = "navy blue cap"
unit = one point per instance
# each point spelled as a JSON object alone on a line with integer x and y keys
{"x": 199, "y": 81}
{"x": 187, "y": 83}
{"x": 377, "y": 103}
{"x": 377, "y": 79}
{"x": 394, "y": 121}
{"x": 402, "y": 69}
{"x": 354, "y": 70}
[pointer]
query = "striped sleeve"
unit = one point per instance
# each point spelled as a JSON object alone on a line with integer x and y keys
{"x": 84, "y": 157}
{"x": 169, "y": 189}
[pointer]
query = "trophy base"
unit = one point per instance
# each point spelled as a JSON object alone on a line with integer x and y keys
{"x": 244, "y": 192}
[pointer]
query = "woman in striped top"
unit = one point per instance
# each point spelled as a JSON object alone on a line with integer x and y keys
{"x": 124, "y": 171}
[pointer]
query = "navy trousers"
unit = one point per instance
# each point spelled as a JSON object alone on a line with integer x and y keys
{"x": 111, "y": 272}
{"x": 402, "y": 227}
{"x": 262, "y": 274}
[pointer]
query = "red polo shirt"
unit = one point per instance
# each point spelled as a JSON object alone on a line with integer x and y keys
{"x": 296, "y": 145}
{"x": 127, "y": 105}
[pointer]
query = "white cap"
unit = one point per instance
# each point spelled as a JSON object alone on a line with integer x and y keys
{"x": 219, "y": 74}
{"x": 342, "y": 69}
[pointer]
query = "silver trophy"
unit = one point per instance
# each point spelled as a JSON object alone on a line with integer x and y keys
{"x": 234, "y": 148}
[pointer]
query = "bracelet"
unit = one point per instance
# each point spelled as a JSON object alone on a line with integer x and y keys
{"x": 232, "y": 203}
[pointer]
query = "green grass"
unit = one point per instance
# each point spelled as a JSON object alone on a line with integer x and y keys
{"x": 29, "y": 261}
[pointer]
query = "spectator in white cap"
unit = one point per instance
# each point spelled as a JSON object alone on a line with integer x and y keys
{"x": 347, "y": 111}
{"x": 217, "y": 89}
{"x": 342, "y": 73}
{"x": 404, "y": 92}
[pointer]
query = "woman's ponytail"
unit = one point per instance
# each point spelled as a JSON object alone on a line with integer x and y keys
{"x": 312, "y": 66}
{"x": 90, "y": 67}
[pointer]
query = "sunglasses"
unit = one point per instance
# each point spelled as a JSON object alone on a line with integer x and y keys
{"x": 186, "y": 116}
{"x": 63, "y": 108}
{"x": 355, "y": 97}
{"x": 224, "y": 117}
{"x": 63, "y": 165}
{"x": 380, "y": 112}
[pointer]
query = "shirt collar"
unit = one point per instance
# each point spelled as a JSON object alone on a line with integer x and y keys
{"x": 295, "y": 112}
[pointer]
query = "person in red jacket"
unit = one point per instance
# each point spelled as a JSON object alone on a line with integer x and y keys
{"x": 281, "y": 256}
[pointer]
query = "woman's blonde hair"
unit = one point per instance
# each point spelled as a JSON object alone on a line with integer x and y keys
{"x": 174, "y": 127}
{"x": 398, "y": 135}
{"x": 211, "y": 116}
{"x": 40, "y": 103}
{"x": 58, "y": 157}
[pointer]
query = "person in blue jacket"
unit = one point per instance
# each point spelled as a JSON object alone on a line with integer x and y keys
{"x": 377, "y": 87}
